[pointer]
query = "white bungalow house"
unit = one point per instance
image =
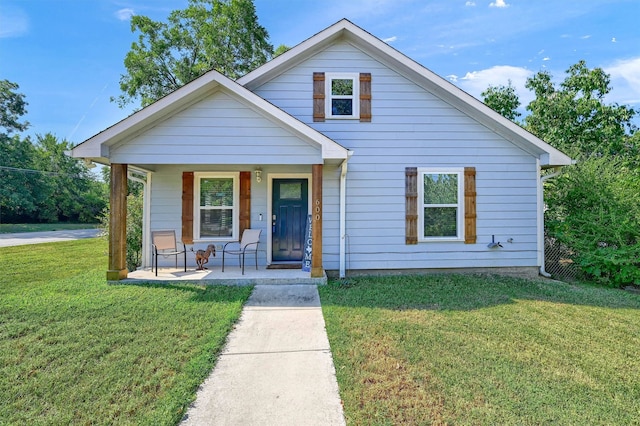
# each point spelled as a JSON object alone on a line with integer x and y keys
{"x": 398, "y": 169}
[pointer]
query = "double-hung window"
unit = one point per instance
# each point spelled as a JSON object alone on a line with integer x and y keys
{"x": 440, "y": 204}
{"x": 342, "y": 93}
{"x": 216, "y": 204}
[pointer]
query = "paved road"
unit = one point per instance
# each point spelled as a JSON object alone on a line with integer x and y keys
{"x": 23, "y": 238}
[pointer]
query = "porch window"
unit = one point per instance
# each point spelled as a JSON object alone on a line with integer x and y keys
{"x": 342, "y": 94}
{"x": 217, "y": 206}
{"x": 441, "y": 201}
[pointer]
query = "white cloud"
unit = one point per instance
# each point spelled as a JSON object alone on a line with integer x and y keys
{"x": 584, "y": 37}
{"x": 499, "y": 3}
{"x": 125, "y": 14}
{"x": 390, "y": 39}
{"x": 470, "y": 3}
{"x": 625, "y": 81}
{"x": 13, "y": 22}
{"x": 476, "y": 82}
{"x": 546, "y": 58}
{"x": 613, "y": 40}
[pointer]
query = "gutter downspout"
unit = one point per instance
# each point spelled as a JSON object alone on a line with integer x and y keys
{"x": 543, "y": 179}
{"x": 343, "y": 214}
{"x": 146, "y": 212}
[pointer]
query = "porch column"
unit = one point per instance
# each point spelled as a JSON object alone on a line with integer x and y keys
{"x": 118, "y": 224}
{"x": 316, "y": 231}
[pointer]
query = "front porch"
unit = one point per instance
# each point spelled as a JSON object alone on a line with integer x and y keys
{"x": 232, "y": 275}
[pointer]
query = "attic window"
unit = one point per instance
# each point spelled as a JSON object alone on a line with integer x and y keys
{"x": 342, "y": 96}
{"x": 342, "y": 91}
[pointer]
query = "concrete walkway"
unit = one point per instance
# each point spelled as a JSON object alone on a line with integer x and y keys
{"x": 276, "y": 368}
{"x": 23, "y": 238}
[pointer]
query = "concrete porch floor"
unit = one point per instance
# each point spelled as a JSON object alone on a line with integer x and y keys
{"x": 232, "y": 275}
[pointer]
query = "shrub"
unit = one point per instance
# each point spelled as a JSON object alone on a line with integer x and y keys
{"x": 135, "y": 204}
{"x": 594, "y": 208}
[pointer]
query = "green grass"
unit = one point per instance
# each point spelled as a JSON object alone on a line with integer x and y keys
{"x": 10, "y": 228}
{"x": 76, "y": 350}
{"x": 483, "y": 350}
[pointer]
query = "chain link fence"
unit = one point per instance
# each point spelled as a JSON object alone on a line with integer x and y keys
{"x": 558, "y": 262}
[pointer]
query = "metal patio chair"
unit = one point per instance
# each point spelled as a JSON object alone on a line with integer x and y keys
{"x": 248, "y": 244}
{"x": 165, "y": 244}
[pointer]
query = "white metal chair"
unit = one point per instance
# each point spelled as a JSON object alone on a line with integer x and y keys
{"x": 248, "y": 244}
{"x": 165, "y": 244}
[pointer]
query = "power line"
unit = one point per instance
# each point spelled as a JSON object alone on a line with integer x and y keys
{"x": 15, "y": 169}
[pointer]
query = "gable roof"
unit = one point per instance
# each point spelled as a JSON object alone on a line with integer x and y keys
{"x": 96, "y": 148}
{"x": 423, "y": 77}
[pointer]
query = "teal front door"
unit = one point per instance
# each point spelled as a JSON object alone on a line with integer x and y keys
{"x": 289, "y": 217}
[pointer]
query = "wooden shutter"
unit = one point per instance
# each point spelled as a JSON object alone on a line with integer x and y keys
{"x": 469, "y": 205}
{"x": 318, "y": 96}
{"x": 411, "y": 208}
{"x": 187, "y": 207}
{"x": 245, "y": 201}
{"x": 365, "y": 97}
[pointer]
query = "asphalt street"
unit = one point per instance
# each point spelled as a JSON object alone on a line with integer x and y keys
{"x": 23, "y": 238}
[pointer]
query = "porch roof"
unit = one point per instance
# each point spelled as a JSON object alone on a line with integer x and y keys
{"x": 97, "y": 148}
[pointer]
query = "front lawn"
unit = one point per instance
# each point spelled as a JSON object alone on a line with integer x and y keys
{"x": 455, "y": 349}
{"x": 75, "y": 350}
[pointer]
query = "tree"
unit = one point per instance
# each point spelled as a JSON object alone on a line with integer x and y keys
{"x": 12, "y": 107}
{"x": 593, "y": 207}
{"x": 15, "y": 156}
{"x": 39, "y": 182}
{"x": 280, "y": 50}
{"x": 68, "y": 190}
{"x": 209, "y": 34}
{"x": 503, "y": 99}
{"x": 574, "y": 116}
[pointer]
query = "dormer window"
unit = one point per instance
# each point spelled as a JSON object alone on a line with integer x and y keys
{"x": 341, "y": 95}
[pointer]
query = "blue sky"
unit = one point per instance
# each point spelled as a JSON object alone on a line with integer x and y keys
{"x": 67, "y": 55}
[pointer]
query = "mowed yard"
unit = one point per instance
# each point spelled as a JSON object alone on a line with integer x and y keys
{"x": 443, "y": 349}
{"x": 76, "y": 350}
{"x": 484, "y": 350}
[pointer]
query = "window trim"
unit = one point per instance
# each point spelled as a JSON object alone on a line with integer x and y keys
{"x": 355, "y": 96}
{"x": 460, "y": 216}
{"x": 235, "y": 209}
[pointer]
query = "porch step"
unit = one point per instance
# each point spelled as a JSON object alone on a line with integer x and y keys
{"x": 285, "y": 266}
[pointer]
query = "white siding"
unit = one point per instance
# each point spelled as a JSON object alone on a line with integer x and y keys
{"x": 412, "y": 127}
{"x": 216, "y": 130}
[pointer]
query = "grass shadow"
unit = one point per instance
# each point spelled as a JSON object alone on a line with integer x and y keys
{"x": 200, "y": 292}
{"x": 467, "y": 292}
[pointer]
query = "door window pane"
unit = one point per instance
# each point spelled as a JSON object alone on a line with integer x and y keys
{"x": 291, "y": 191}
